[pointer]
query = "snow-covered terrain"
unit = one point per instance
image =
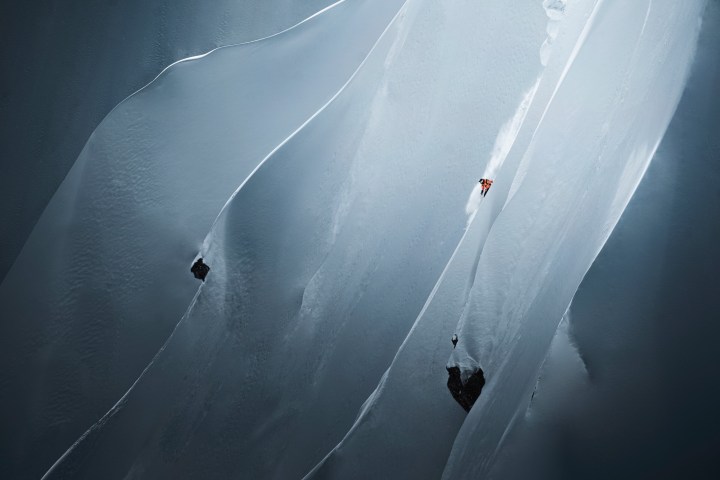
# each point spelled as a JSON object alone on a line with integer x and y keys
{"x": 66, "y": 64}
{"x": 644, "y": 320}
{"x": 328, "y": 176}
{"x": 523, "y": 273}
{"x": 103, "y": 277}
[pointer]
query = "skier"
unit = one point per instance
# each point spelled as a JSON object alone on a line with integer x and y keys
{"x": 199, "y": 269}
{"x": 486, "y": 186}
{"x": 454, "y": 339}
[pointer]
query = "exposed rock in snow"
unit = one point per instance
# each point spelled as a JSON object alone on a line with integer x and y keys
{"x": 344, "y": 256}
{"x": 465, "y": 391}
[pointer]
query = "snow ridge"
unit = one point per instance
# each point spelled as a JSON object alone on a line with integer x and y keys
{"x": 56, "y": 468}
{"x": 431, "y": 330}
{"x": 312, "y": 291}
{"x": 222, "y": 47}
{"x": 517, "y": 303}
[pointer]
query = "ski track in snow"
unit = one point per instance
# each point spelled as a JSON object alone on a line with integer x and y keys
{"x": 506, "y": 141}
{"x": 119, "y": 404}
{"x": 505, "y": 144}
{"x": 644, "y": 155}
{"x": 607, "y": 150}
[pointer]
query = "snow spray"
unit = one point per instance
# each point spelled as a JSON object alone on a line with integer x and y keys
{"x": 503, "y": 143}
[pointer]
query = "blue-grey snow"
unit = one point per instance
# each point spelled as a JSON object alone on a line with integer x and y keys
{"x": 328, "y": 175}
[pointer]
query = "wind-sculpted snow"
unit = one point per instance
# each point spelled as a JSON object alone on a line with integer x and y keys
{"x": 69, "y": 63}
{"x": 105, "y": 275}
{"x": 288, "y": 186}
{"x": 387, "y": 440}
{"x": 644, "y": 320}
{"x": 572, "y": 169}
{"x": 323, "y": 257}
{"x": 585, "y": 165}
{"x": 321, "y": 261}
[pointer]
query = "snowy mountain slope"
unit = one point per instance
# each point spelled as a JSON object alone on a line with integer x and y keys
{"x": 67, "y": 64}
{"x": 324, "y": 256}
{"x": 313, "y": 285}
{"x": 291, "y": 181}
{"x": 565, "y": 208}
{"x": 387, "y": 439}
{"x": 104, "y": 276}
{"x": 644, "y": 318}
{"x": 387, "y": 415}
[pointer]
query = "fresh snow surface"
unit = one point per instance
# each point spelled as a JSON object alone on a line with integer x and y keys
{"x": 571, "y": 182}
{"x": 329, "y": 247}
{"x": 67, "y": 65}
{"x": 415, "y": 387}
{"x": 588, "y": 154}
{"x": 644, "y": 320}
{"x": 104, "y": 276}
{"x": 318, "y": 254}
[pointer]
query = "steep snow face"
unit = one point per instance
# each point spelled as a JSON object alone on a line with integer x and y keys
{"x": 387, "y": 439}
{"x": 105, "y": 275}
{"x": 584, "y": 163}
{"x": 66, "y": 64}
{"x": 323, "y": 258}
{"x": 575, "y": 158}
{"x": 645, "y": 319}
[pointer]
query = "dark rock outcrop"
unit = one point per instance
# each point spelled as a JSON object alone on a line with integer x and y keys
{"x": 465, "y": 393}
{"x": 200, "y": 269}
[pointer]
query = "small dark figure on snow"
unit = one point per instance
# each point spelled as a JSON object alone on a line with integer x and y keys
{"x": 454, "y": 340}
{"x": 200, "y": 270}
